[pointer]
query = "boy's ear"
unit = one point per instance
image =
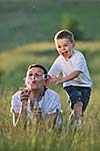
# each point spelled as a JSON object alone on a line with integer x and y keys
{"x": 73, "y": 44}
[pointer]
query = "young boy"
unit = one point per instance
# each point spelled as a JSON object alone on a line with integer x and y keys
{"x": 76, "y": 79}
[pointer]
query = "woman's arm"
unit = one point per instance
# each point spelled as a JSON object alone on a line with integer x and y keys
{"x": 21, "y": 117}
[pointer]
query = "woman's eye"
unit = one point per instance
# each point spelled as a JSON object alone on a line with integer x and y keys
{"x": 30, "y": 74}
{"x": 66, "y": 45}
{"x": 36, "y": 75}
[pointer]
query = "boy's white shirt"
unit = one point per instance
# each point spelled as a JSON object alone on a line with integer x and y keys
{"x": 49, "y": 103}
{"x": 76, "y": 62}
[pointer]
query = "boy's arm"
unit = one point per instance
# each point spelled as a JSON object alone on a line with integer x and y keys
{"x": 66, "y": 78}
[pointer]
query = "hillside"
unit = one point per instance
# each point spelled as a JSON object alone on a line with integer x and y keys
{"x": 23, "y": 22}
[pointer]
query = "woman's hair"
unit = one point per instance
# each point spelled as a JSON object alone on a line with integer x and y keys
{"x": 39, "y": 66}
{"x": 64, "y": 34}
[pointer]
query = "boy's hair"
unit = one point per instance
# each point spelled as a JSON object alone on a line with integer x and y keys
{"x": 38, "y": 66}
{"x": 64, "y": 34}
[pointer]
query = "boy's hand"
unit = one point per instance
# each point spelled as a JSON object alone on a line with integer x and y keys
{"x": 57, "y": 80}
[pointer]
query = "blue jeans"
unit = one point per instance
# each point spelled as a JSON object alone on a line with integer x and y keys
{"x": 76, "y": 93}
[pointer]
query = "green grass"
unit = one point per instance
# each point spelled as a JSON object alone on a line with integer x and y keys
{"x": 25, "y": 29}
{"x": 13, "y": 67}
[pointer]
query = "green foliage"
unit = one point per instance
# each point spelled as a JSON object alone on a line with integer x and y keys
{"x": 24, "y": 21}
{"x": 73, "y": 25}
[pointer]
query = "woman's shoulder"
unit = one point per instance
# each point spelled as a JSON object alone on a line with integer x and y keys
{"x": 51, "y": 92}
{"x": 16, "y": 95}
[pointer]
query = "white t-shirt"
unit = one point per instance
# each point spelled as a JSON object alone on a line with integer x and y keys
{"x": 76, "y": 62}
{"x": 49, "y": 103}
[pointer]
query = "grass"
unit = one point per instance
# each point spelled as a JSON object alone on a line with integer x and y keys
{"x": 25, "y": 29}
{"x": 11, "y": 79}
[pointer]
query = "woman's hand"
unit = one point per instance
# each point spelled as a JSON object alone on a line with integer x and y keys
{"x": 24, "y": 95}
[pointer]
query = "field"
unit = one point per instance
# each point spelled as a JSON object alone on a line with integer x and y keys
{"x": 19, "y": 47}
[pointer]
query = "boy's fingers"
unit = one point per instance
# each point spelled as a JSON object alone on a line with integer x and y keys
{"x": 54, "y": 77}
{"x": 56, "y": 83}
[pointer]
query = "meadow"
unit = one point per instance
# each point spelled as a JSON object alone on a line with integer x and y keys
{"x": 12, "y": 74}
{"x": 27, "y": 37}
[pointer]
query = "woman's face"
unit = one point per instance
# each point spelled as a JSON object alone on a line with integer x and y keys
{"x": 34, "y": 78}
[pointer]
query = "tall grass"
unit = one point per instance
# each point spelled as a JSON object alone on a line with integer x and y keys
{"x": 13, "y": 67}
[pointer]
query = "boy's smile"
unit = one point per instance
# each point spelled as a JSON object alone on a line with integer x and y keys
{"x": 64, "y": 47}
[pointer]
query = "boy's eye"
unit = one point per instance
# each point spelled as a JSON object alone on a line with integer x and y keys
{"x": 59, "y": 46}
{"x": 66, "y": 45}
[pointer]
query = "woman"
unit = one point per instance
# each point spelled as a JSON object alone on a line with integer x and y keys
{"x": 36, "y": 101}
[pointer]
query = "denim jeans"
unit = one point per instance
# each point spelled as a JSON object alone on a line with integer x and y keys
{"x": 76, "y": 93}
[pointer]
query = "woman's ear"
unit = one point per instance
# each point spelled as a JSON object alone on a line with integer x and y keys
{"x": 45, "y": 76}
{"x": 47, "y": 82}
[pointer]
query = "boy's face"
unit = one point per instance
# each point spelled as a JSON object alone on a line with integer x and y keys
{"x": 64, "y": 47}
{"x": 34, "y": 78}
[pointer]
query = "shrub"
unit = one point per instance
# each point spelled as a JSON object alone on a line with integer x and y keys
{"x": 73, "y": 25}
